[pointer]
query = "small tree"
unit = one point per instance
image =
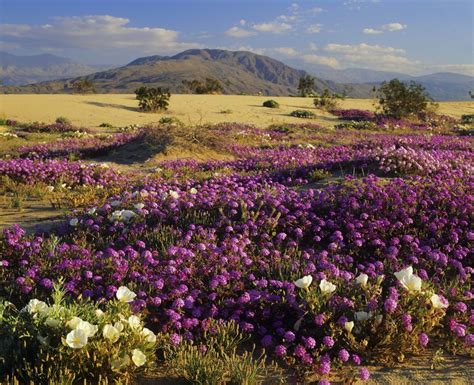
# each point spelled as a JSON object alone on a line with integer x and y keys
{"x": 306, "y": 85}
{"x": 210, "y": 86}
{"x": 84, "y": 86}
{"x": 398, "y": 99}
{"x": 152, "y": 99}
{"x": 326, "y": 100}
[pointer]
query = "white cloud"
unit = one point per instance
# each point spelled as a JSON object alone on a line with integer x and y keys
{"x": 322, "y": 60}
{"x": 357, "y": 4}
{"x": 239, "y": 32}
{"x": 316, "y": 10}
{"x": 285, "y": 51}
{"x": 272, "y": 27}
{"x": 371, "y": 31}
{"x": 94, "y": 32}
{"x": 315, "y": 28}
{"x": 313, "y": 47}
{"x": 372, "y": 56}
{"x": 242, "y": 22}
{"x": 466, "y": 69}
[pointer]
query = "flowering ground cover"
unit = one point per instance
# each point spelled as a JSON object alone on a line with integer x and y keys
{"x": 325, "y": 277}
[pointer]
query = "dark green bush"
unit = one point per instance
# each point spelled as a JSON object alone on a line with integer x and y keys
{"x": 63, "y": 120}
{"x": 303, "y": 114}
{"x": 467, "y": 119}
{"x": 209, "y": 86}
{"x": 153, "y": 99}
{"x": 271, "y": 103}
{"x": 106, "y": 125}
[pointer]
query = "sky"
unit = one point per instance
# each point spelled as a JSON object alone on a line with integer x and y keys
{"x": 410, "y": 36}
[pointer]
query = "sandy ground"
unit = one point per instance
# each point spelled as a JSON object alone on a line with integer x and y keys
{"x": 121, "y": 109}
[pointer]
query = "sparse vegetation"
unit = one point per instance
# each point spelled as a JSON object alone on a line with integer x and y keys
{"x": 271, "y": 104}
{"x": 303, "y": 114}
{"x": 209, "y": 86}
{"x": 153, "y": 99}
{"x": 327, "y": 100}
{"x": 307, "y": 85}
{"x": 84, "y": 86}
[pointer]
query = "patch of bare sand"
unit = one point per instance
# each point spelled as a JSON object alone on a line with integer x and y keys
{"x": 121, "y": 109}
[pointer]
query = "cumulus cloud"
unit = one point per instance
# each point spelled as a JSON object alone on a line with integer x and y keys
{"x": 94, "y": 32}
{"x": 322, "y": 60}
{"x": 285, "y": 51}
{"x": 390, "y": 27}
{"x": 239, "y": 32}
{"x": 358, "y": 4}
{"x": 272, "y": 27}
{"x": 314, "y": 28}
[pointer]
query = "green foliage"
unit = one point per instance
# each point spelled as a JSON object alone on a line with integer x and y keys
{"x": 171, "y": 120}
{"x": 63, "y": 120}
{"x": 73, "y": 342}
{"x": 153, "y": 99}
{"x": 353, "y": 125}
{"x": 398, "y": 99}
{"x": 271, "y": 103}
{"x": 307, "y": 85}
{"x": 303, "y": 114}
{"x": 106, "y": 125}
{"x": 209, "y": 86}
{"x": 84, "y": 86}
{"x": 327, "y": 101}
{"x": 227, "y": 111}
{"x": 319, "y": 174}
{"x": 467, "y": 119}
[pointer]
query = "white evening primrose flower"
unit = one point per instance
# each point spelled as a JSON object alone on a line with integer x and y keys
{"x": 138, "y": 357}
{"x": 362, "y": 279}
{"x": 116, "y": 216}
{"x": 305, "y": 282}
{"x": 99, "y": 313}
{"x": 37, "y": 307}
{"x": 326, "y": 286}
{"x": 76, "y": 339}
{"x": 73, "y": 322}
{"x": 124, "y": 294}
{"x": 74, "y": 222}
{"x": 91, "y": 211}
{"x": 438, "y": 303}
{"x": 174, "y": 194}
{"x": 111, "y": 333}
{"x": 362, "y": 316}
{"x": 139, "y": 206}
{"x": 349, "y": 325}
{"x": 134, "y": 322}
{"x": 50, "y": 188}
{"x": 409, "y": 281}
{"x": 119, "y": 326}
{"x": 149, "y": 335}
{"x": 193, "y": 191}
{"x": 88, "y": 328}
{"x": 127, "y": 215}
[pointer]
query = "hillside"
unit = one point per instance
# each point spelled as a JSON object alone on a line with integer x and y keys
{"x": 20, "y": 70}
{"x": 239, "y": 72}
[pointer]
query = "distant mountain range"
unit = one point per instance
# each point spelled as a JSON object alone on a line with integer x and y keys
{"x": 238, "y": 71}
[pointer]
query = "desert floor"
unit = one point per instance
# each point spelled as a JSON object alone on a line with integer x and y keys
{"x": 121, "y": 109}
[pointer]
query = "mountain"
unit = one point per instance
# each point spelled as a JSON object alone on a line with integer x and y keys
{"x": 238, "y": 72}
{"x": 21, "y": 70}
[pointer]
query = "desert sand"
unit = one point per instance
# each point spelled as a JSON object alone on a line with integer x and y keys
{"x": 121, "y": 109}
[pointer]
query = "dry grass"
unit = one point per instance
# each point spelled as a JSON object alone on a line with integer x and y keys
{"x": 121, "y": 110}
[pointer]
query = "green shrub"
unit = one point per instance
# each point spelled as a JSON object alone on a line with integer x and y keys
{"x": 353, "y": 125}
{"x": 153, "y": 99}
{"x": 209, "y": 86}
{"x": 271, "y": 104}
{"x": 63, "y": 120}
{"x": 303, "y": 114}
{"x": 171, "y": 120}
{"x": 106, "y": 125}
{"x": 467, "y": 119}
{"x": 398, "y": 99}
{"x": 306, "y": 85}
{"x": 326, "y": 101}
{"x": 73, "y": 342}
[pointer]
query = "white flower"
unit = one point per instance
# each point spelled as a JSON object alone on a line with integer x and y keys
{"x": 174, "y": 194}
{"x": 139, "y": 206}
{"x": 37, "y": 307}
{"x": 127, "y": 215}
{"x": 138, "y": 357}
{"x": 52, "y": 322}
{"x": 99, "y": 313}
{"x": 50, "y": 188}
{"x": 88, "y": 328}
{"x": 91, "y": 211}
{"x": 362, "y": 279}
{"x": 193, "y": 191}
{"x": 134, "y": 322}
{"x": 120, "y": 362}
{"x": 326, "y": 286}
{"x": 304, "y": 283}
{"x": 124, "y": 294}
{"x": 73, "y": 322}
{"x": 116, "y": 216}
{"x": 409, "y": 280}
{"x": 149, "y": 335}
{"x": 115, "y": 203}
{"x": 362, "y": 316}
{"x": 438, "y": 303}
{"x": 349, "y": 326}
{"x": 74, "y": 222}
{"x": 119, "y": 326}
{"x": 111, "y": 333}
{"x": 76, "y": 339}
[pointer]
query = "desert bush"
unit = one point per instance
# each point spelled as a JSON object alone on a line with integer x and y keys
{"x": 467, "y": 119}
{"x": 106, "y": 125}
{"x": 209, "y": 86}
{"x": 171, "y": 120}
{"x": 153, "y": 99}
{"x": 271, "y": 104}
{"x": 303, "y": 114}
{"x": 398, "y": 99}
{"x": 353, "y": 114}
{"x": 63, "y": 120}
{"x": 74, "y": 342}
{"x": 326, "y": 101}
{"x": 84, "y": 86}
{"x": 227, "y": 111}
{"x": 306, "y": 85}
{"x": 356, "y": 125}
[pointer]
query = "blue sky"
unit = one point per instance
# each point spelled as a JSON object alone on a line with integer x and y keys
{"x": 412, "y": 36}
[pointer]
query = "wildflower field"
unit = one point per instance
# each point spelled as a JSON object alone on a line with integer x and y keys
{"x": 296, "y": 253}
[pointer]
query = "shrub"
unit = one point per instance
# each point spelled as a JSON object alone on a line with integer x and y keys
{"x": 153, "y": 99}
{"x": 398, "y": 99}
{"x": 63, "y": 120}
{"x": 271, "y": 104}
{"x": 106, "y": 125}
{"x": 306, "y": 85}
{"x": 355, "y": 125}
{"x": 227, "y": 111}
{"x": 303, "y": 114}
{"x": 171, "y": 120}
{"x": 83, "y": 86}
{"x": 467, "y": 119}
{"x": 74, "y": 342}
{"x": 326, "y": 101}
{"x": 210, "y": 86}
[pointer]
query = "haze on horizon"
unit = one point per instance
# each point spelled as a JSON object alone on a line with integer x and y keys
{"x": 410, "y": 36}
